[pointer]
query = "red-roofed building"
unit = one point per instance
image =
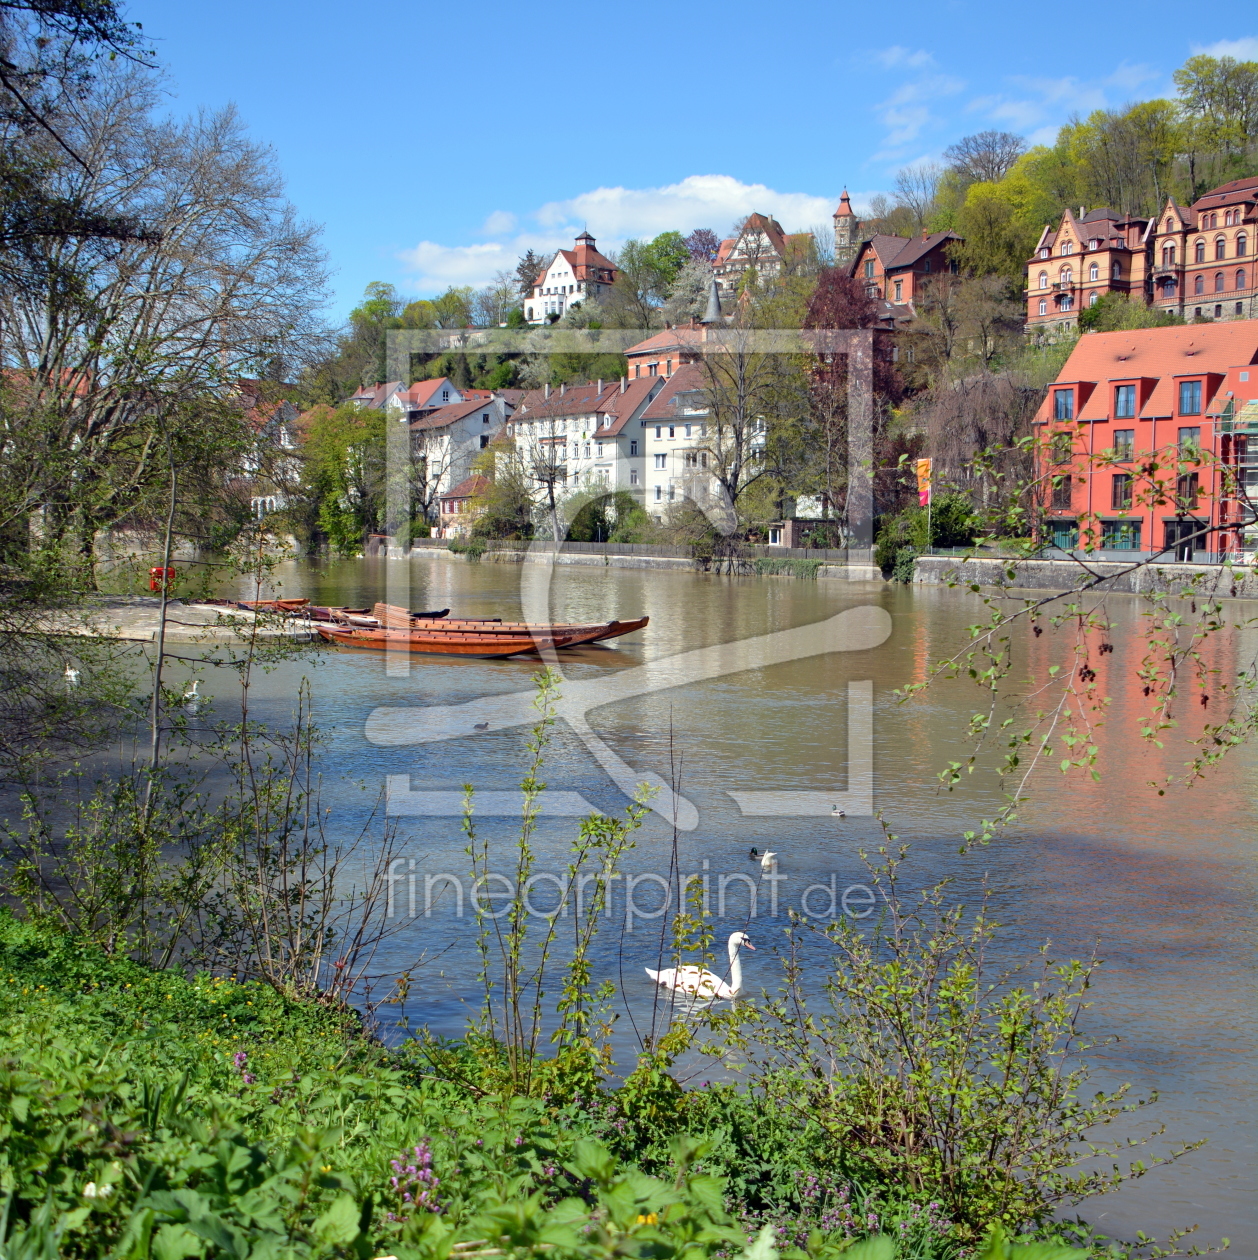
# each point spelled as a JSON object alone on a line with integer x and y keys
{"x": 585, "y": 435}
{"x": 568, "y": 279}
{"x": 458, "y": 507}
{"x": 445, "y": 441}
{"x": 1202, "y": 257}
{"x": 895, "y": 268}
{"x": 679, "y": 442}
{"x": 1086, "y": 257}
{"x": 761, "y": 245}
{"x": 1149, "y": 442}
{"x": 665, "y": 352}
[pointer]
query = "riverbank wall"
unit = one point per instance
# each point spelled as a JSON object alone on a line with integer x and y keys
{"x": 793, "y": 562}
{"x": 1070, "y": 575}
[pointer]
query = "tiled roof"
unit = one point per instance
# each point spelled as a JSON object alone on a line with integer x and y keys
{"x": 454, "y": 411}
{"x": 1236, "y": 190}
{"x": 688, "y": 378}
{"x": 915, "y": 249}
{"x": 670, "y": 339}
{"x": 420, "y": 394}
{"x": 578, "y": 400}
{"x": 466, "y": 489}
{"x": 1159, "y": 352}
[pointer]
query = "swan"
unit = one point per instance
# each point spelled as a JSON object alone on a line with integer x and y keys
{"x": 768, "y": 861}
{"x": 192, "y": 699}
{"x": 71, "y": 676}
{"x": 704, "y": 983}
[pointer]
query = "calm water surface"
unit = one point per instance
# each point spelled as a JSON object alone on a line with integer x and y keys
{"x": 1163, "y": 887}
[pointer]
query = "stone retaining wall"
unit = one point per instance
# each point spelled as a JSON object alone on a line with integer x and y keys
{"x": 1067, "y": 575}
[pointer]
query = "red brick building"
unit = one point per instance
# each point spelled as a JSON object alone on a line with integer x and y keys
{"x": 1149, "y": 443}
{"x": 1085, "y": 257}
{"x": 895, "y": 268}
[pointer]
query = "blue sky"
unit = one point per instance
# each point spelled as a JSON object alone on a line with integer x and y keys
{"x": 436, "y": 143}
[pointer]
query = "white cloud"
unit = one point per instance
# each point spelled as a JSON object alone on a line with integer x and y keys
{"x": 499, "y": 223}
{"x": 1243, "y": 49}
{"x": 898, "y": 56}
{"x": 612, "y": 215}
{"x": 907, "y": 111}
{"x": 714, "y": 201}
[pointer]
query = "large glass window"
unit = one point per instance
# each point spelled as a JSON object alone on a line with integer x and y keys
{"x": 1064, "y": 534}
{"x": 1190, "y": 399}
{"x": 1124, "y": 402}
{"x": 1187, "y": 486}
{"x": 1120, "y": 492}
{"x": 1124, "y": 444}
{"x": 1064, "y": 404}
{"x": 1060, "y": 450}
{"x": 1120, "y": 535}
{"x": 1061, "y": 494}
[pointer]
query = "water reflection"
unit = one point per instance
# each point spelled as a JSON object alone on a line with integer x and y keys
{"x": 1163, "y": 885}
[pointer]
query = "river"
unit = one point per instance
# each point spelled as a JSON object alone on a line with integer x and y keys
{"x": 1162, "y": 886}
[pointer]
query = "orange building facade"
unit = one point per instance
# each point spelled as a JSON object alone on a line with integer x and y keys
{"x": 1149, "y": 444}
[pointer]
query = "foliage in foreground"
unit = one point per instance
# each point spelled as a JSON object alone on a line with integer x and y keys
{"x": 143, "y": 1114}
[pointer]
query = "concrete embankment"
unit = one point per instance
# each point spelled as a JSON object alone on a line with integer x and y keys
{"x": 1071, "y": 575}
{"x": 613, "y": 560}
{"x": 135, "y": 618}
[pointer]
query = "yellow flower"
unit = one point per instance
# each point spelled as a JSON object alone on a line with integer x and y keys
{"x": 649, "y": 1219}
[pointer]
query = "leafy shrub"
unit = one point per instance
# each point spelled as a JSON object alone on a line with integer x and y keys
{"x": 792, "y": 565}
{"x": 473, "y": 548}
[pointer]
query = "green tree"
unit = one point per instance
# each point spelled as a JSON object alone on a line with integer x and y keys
{"x": 1113, "y": 312}
{"x": 344, "y": 463}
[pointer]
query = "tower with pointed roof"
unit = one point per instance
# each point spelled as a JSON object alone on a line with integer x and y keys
{"x": 846, "y": 232}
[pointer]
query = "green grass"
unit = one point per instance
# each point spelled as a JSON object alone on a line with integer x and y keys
{"x": 788, "y": 565}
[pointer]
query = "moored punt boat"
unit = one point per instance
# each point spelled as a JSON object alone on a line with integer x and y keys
{"x": 446, "y": 642}
{"x": 395, "y": 618}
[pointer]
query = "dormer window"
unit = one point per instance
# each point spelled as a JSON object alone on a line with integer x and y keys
{"x": 1044, "y": 253}
{"x": 1067, "y": 247}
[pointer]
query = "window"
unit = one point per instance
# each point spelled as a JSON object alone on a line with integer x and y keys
{"x": 652, "y": 369}
{"x": 1168, "y": 288}
{"x": 1094, "y": 299}
{"x": 1220, "y": 248}
{"x": 926, "y": 265}
{"x": 1065, "y": 302}
{"x": 576, "y": 451}
{"x": 1067, "y": 247}
{"x": 1120, "y": 535}
{"x": 899, "y": 290}
{"x": 1043, "y": 307}
{"x": 1120, "y": 492}
{"x": 1240, "y": 281}
{"x": 1186, "y": 489}
{"x": 659, "y": 493}
{"x": 672, "y": 430}
{"x": 661, "y": 461}
{"x": 1242, "y": 245}
{"x": 445, "y": 395}
{"x": 1064, "y": 404}
{"x": 1065, "y": 275}
{"x": 1116, "y": 271}
{"x": 1190, "y": 399}
{"x": 1044, "y": 253}
{"x": 484, "y": 440}
{"x": 598, "y": 452}
{"x": 1190, "y": 439}
{"x": 657, "y": 430}
{"x": 633, "y": 476}
{"x": 687, "y": 430}
{"x": 633, "y": 448}
{"x": 1240, "y": 308}
{"x": 587, "y": 450}
{"x": 1094, "y": 272}
{"x": 1061, "y": 493}
{"x": 672, "y": 492}
{"x": 1168, "y": 256}
{"x": 1200, "y": 285}
{"x": 1124, "y": 444}
{"x": 1218, "y": 311}
{"x": 1170, "y": 225}
{"x": 1061, "y": 448}
{"x": 869, "y": 269}
{"x": 607, "y": 422}
{"x": 1124, "y": 402}
{"x": 1218, "y": 282}
{"x": 1043, "y": 279}
{"x": 1065, "y": 534}
{"x": 1200, "y": 253}
{"x": 668, "y": 367}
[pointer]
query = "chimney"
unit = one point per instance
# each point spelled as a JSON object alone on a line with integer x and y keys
{"x": 546, "y": 390}
{"x": 624, "y": 380}
{"x": 563, "y": 389}
{"x": 600, "y": 386}
{"x": 925, "y": 234}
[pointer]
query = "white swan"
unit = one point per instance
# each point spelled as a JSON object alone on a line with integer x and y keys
{"x": 768, "y": 860}
{"x": 71, "y": 677}
{"x": 704, "y": 983}
{"x": 192, "y": 699}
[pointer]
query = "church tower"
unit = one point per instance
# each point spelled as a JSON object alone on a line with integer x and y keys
{"x": 846, "y": 232}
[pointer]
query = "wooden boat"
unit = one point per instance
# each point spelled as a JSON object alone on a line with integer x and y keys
{"x": 444, "y": 642}
{"x": 395, "y": 618}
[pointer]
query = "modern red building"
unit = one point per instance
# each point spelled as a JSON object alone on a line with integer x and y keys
{"x": 1148, "y": 444}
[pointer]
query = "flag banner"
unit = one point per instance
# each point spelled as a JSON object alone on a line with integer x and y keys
{"x": 923, "y": 481}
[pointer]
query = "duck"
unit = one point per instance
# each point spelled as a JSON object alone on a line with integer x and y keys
{"x": 754, "y": 855}
{"x": 768, "y": 861}
{"x": 836, "y": 812}
{"x": 703, "y": 983}
{"x": 192, "y": 699}
{"x": 71, "y": 677}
